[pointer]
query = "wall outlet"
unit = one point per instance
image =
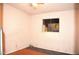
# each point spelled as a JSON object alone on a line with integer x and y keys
{"x": 16, "y": 45}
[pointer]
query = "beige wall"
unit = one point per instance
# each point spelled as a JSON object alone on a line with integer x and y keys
{"x": 62, "y": 41}
{"x": 77, "y": 28}
{"x": 1, "y": 14}
{"x": 15, "y": 28}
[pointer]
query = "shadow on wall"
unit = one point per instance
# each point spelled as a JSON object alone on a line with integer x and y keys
{"x": 1, "y": 51}
{"x": 0, "y": 41}
{"x": 3, "y": 42}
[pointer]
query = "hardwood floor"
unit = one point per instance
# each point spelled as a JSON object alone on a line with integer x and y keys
{"x": 27, "y": 52}
{"x": 31, "y": 50}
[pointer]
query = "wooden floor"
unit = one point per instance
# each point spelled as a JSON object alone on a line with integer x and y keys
{"x": 27, "y": 52}
{"x": 31, "y": 50}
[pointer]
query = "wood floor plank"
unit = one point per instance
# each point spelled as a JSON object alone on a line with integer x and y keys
{"x": 27, "y": 52}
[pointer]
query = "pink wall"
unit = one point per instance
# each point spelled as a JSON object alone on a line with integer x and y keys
{"x": 62, "y": 41}
{"x": 16, "y": 29}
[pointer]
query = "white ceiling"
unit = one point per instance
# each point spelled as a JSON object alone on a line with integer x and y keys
{"x": 47, "y": 7}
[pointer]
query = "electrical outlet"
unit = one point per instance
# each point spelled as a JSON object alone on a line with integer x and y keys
{"x": 16, "y": 46}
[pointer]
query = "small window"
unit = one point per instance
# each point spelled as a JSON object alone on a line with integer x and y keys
{"x": 51, "y": 25}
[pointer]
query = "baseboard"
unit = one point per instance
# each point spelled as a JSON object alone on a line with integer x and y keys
{"x": 49, "y": 52}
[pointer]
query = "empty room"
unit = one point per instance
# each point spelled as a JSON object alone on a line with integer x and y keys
{"x": 39, "y": 28}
